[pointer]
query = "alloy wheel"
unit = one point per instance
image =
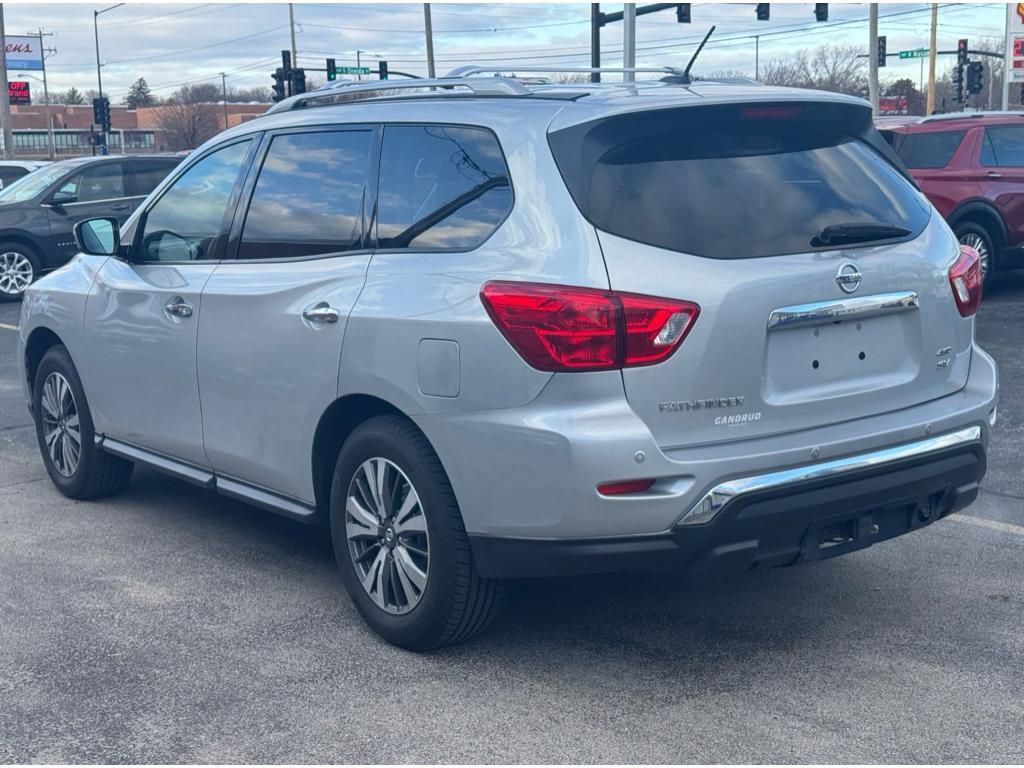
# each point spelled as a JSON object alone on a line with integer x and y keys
{"x": 387, "y": 535}
{"x": 977, "y": 242}
{"x": 62, "y": 432}
{"x": 15, "y": 273}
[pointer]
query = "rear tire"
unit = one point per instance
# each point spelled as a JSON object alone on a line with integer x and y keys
{"x": 981, "y": 240}
{"x": 422, "y": 590}
{"x": 19, "y": 268}
{"x": 65, "y": 433}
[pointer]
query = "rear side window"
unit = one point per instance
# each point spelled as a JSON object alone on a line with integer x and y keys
{"x": 929, "y": 150}
{"x": 1004, "y": 145}
{"x": 7, "y": 175}
{"x": 736, "y": 181}
{"x": 147, "y": 174}
{"x": 441, "y": 187}
{"x": 309, "y": 196}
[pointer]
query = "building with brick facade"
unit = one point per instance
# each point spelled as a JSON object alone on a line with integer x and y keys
{"x": 132, "y": 130}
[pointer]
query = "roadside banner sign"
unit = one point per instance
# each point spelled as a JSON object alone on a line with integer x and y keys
{"x": 23, "y": 53}
{"x": 18, "y": 92}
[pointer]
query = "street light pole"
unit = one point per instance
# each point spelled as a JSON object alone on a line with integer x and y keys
{"x": 51, "y": 144}
{"x": 224, "y": 96}
{"x": 96, "y": 33}
{"x": 429, "y": 31}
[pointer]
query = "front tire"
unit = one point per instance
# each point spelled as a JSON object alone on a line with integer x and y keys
{"x": 19, "y": 268}
{"x": 979, "y": 238}
{"x": 65, "y": 433}
{"x": 400, "y": 542}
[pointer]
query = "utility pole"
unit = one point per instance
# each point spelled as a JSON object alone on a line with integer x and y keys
{"x": 224, "y": 96}
{"x": 757, "y": 57}
{"x": 291, "y": 28}
{"x": 51, "y": 144}
{"x": 873, "y": 56}
{"x": 595, "y": 41}
{"x": 429, "y": 31}
{"x": 5, "y": 97}
{"x": 628, "y": 40}
{"x": 930, "y": 102}
{"x": 1008, "y": 55}
{"x": 359, "y": 63}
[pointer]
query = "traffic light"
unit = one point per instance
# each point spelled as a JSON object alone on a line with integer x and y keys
{"x": 298, "y": 81}
{"x": 975, "y": 76}
{"x": 332, "y": 70}
{"x": 279, "y": 91}
{"x": 881, "y": 50}
{"x": 382, "y": 70}
{"x": 958, "y": 83}
{"x": 683, "y": 13}
{"x": 821, "y": 11}
{"x": 101, "y": 112}
{"x": 762, "y": 12}
{"x": 961, "y": 51}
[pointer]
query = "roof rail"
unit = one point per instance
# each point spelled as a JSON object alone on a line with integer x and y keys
{"x": 471, "y": 69}
{"x": 479, "y": 86}
{"x": 968, "y": 115}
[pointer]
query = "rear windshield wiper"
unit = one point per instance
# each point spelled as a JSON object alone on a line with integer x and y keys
{"x": 839, "y": 234}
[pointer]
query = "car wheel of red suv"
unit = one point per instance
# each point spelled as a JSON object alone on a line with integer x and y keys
{"x": 978, "y": 238}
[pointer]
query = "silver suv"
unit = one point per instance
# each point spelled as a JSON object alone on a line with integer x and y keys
{"x": 489, "y": 328}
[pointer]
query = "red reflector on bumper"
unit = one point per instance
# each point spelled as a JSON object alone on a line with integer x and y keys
{"x": 624, "y": 486}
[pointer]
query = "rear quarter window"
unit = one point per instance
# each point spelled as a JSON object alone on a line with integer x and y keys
{"x": 735, "y": 181}
{"x": 929, "y": 150}
{"x": 442, "y": 187}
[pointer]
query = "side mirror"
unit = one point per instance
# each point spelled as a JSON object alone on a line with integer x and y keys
{"x": 63, "y": 198}
{"x": 98, "y": 237}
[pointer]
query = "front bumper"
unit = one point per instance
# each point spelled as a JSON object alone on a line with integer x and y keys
{"x": 774, "y": 519}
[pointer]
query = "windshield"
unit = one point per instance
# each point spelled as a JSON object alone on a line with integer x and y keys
{"x": 733, "y": 182}
{"x": 32, "y": 184}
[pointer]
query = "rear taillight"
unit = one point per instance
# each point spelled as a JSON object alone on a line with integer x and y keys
{"x": 560, "y": 328}
{"x": 965, "y": 280}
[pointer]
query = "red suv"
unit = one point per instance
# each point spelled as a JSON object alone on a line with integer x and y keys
{"x": 971, "y": 166}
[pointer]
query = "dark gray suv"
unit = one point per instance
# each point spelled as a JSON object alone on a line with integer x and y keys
{"x": 38, "y": 212}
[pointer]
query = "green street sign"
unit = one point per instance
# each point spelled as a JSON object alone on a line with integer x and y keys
{"x": 353, "y": 70}
{"x": 917, "y": 53}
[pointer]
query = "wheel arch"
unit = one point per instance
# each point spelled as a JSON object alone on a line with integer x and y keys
{"x": 39, "y": 341}
{"x": 24, "y": 240}
{"x": 982, "y": 212}
{"x": 338, "y": 421}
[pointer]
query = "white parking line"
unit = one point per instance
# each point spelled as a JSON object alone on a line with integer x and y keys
{"x": 7, "y": 327}
{"x": 1016, "y": 530}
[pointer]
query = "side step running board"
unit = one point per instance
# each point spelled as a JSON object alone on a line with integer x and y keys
{"x": 204, "y": 478}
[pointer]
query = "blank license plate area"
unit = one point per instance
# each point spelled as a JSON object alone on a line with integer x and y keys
{"x": 834, "y": 359}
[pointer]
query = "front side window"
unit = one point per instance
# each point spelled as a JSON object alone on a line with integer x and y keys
{"x": 101, "y": 182}
{"x": 309, "y": 196}
{"x": 1004, "y": 146}
{"x": 441, "y": 187}
{"x": 930, "y": 150}
{"x": 185, "y": 222}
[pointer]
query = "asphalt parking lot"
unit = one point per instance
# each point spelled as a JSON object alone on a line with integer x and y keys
{"x": 172, "y": 625}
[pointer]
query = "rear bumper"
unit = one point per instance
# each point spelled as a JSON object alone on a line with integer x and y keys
{"x": 820, "y": 513}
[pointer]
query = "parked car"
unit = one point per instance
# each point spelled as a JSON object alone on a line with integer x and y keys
{"x": 971, "y": 166}
{"x": 508, "y": 330}
{"x": 39, "y": 211}
{"x": 12, "y": 170}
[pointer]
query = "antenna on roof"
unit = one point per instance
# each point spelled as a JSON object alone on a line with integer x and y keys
{"x": 685, "y": 77}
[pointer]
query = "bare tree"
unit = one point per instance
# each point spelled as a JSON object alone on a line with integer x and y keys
{"x": 836, "y": 68}
{"x": 190, "y": 116}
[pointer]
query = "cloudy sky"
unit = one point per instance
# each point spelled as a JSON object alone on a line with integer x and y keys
{"x": 171, "y": 44}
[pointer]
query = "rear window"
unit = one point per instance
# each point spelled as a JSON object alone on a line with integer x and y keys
{"x": 929, "y": 150}
{"x": 736, "y": 181}
{"x": 1004, "y": 145}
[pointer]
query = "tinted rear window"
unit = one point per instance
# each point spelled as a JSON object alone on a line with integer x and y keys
{"x": 929, "y": 150}
{"x": 734, "y": 182}
{"x": 1004, "y": 145}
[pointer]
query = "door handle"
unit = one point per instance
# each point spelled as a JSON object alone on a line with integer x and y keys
{"x": 178, "y": 307}
{"x": 321, "y": 313}
{"x": 994, "y": 175}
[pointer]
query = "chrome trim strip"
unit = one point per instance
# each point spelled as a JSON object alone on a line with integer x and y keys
{"x": 718, "y": 497}
{"x": 843, "y": 309}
